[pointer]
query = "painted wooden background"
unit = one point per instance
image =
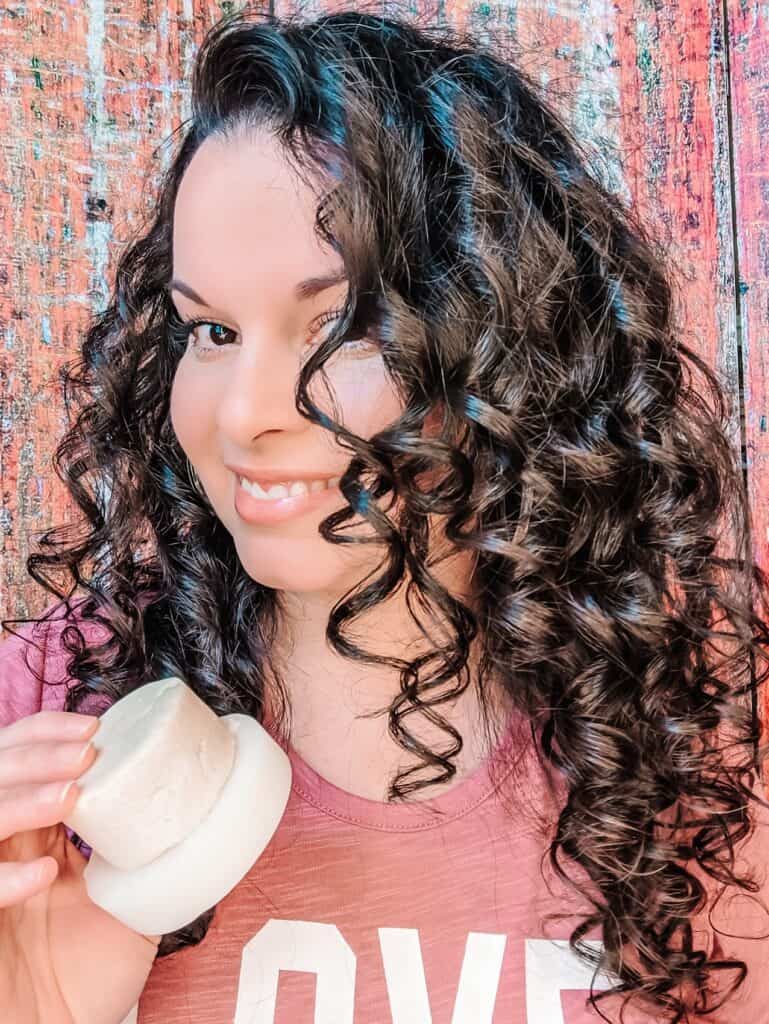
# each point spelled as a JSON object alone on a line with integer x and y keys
{"x": 673, "y": 94}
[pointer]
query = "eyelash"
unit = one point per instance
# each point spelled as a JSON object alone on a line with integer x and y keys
{"x": 182, "y": 329}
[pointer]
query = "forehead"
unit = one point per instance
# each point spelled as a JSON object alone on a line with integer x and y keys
{"x": 243, "y": 223}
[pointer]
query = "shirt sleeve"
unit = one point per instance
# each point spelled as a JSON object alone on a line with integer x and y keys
{"x": 20, "y": 691}
{"x": 32, "y": 667}
{"x": 33, "y": 674}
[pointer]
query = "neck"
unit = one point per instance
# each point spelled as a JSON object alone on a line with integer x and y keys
{"x": 329, "y": 693}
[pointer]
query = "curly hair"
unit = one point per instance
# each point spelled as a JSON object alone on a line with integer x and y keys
{"x": 578, "y": 459}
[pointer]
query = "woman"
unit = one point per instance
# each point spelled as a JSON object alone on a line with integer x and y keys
{"x": 388, "y": 440}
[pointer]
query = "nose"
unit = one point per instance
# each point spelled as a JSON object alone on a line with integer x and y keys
{"x": 258, "y": 394}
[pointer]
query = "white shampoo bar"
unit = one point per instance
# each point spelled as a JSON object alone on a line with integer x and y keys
{"x": 163, "y": 760}
{"x": 177, "y": 807}
{"x": 194, "y": 875}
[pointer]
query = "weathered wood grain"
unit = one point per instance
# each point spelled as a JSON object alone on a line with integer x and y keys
{"x": 90, "y": 94}
{"x": 45, "y": 261}
{"x": 748, "y": 34}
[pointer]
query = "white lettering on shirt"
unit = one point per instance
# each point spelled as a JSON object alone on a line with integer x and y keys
{"x": 551, "y": 968}
{"x": 296, "y": 946}
{"x": 284, "y": 945}
{"x": 407, "y": 986}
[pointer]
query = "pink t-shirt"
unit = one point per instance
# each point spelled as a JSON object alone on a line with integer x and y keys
{"x": 360, "y": 912}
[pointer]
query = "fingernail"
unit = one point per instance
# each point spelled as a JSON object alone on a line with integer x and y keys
{"x": 83, "y": 725}
{"x": 55, "y": 792}
{"x": 81, "y": 757}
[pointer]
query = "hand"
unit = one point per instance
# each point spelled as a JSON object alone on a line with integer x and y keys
{"x": 63, "y": 960}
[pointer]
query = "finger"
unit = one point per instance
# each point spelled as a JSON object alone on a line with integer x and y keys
{"x": 31, "y": 807}
{"x": 48, "y": 726}
{"x": 40, "y": 763}
{"x": 20, "y": 880}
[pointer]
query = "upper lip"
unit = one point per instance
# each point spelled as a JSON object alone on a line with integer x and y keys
{"x": 279, "y": 475}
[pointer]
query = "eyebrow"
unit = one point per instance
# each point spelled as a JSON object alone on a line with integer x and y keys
{"x": 307, "y": 289}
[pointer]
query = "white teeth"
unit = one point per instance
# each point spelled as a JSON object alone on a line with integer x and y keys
{"x": 276, "y": 491}
{"x": 289, "y": 490}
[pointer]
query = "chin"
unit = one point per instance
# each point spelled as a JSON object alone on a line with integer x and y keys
{"x": 309, "y": 567}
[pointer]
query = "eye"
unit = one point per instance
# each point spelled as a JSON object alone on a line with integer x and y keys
{"x": 357, "y": 346}
{"x": 182, "y": 329}
{"x": 219, "y": 336}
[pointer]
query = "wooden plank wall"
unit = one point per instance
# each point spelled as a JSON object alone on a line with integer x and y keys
{"x": 673, "y": 96}
{"x": 747, "y": 27}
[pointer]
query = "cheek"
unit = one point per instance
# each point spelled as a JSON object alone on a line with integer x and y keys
{"x": 367, "y": 397}
{"x": 370, "y": 402}
{"x": 188, "y": 409}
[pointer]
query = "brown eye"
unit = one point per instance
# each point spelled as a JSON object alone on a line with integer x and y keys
{"x": 218, "y": 333}
{"x": 325, "y": 318}
{"x": 354, "y": 346}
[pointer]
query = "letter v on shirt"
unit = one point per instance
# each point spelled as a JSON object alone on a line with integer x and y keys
{"x": 361, "y": 912}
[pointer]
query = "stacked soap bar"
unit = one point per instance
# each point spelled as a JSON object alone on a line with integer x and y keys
{"x": 177, "y": 806}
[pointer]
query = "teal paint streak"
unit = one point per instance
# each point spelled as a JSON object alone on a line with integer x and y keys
{"x": 36, "y": 73}
{"x": 651, "y": 74}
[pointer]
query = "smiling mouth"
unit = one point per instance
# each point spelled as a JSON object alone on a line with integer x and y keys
{"x": 289, "y": 489}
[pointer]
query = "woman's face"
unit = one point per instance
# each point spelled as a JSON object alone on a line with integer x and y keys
{"x": 243, "y": 241}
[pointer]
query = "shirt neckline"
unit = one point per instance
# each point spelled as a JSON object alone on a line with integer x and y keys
{"x": 426, "y": 813}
